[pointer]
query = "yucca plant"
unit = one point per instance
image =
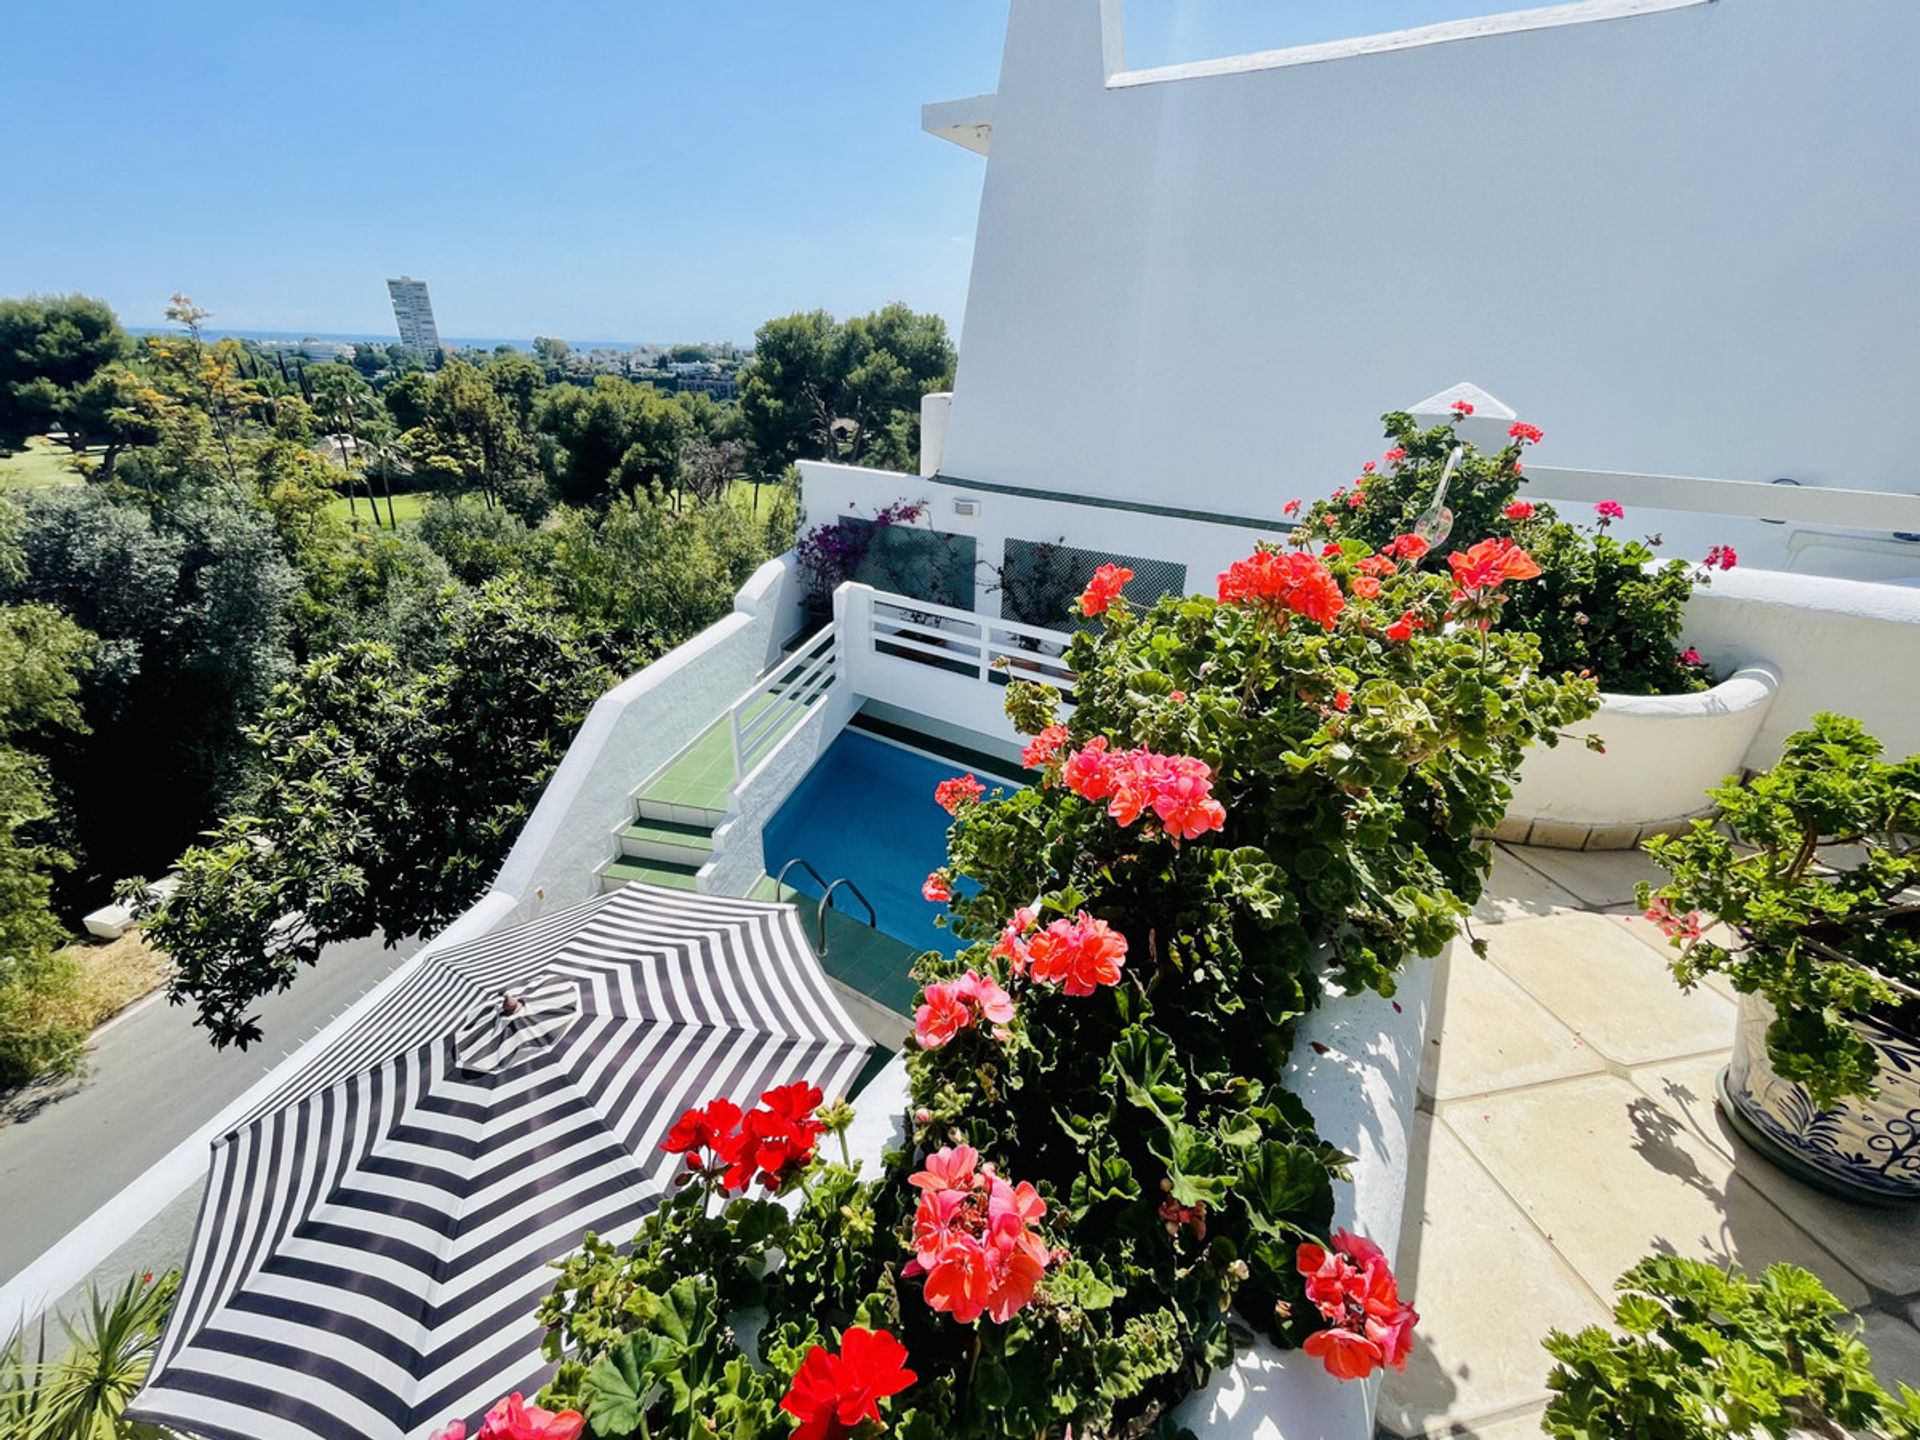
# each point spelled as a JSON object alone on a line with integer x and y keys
{"x": 83, "y": 1395}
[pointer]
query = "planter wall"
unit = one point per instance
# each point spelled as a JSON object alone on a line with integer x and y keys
{"x": 1865, "y": 1148}
{"x": 1662, "y": 753}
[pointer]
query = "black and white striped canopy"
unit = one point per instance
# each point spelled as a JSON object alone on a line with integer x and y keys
{"x": 375, "y": 1237}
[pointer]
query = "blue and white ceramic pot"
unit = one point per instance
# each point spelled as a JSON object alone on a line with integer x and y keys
{"x": 1862, "y": 1149}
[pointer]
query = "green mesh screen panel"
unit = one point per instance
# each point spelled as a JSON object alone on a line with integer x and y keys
{"x": 1041, "y": 580}
{"x": 929, "y": 565}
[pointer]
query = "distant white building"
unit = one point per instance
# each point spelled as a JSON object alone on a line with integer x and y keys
{"x": 413, "y": 313}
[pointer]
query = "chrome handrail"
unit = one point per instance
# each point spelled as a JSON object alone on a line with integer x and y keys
{"x": 873, "y": 919}
{"x": 826, "y": 898}
{"x": 780, "y": 880}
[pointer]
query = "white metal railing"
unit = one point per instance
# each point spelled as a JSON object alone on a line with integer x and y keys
{"x": 761, "y": 717}
{"x": 963, "y": 642}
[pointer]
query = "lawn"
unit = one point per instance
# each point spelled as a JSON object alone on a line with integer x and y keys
{"x": 406, "y": 507}
{"x": 41, "y": 463}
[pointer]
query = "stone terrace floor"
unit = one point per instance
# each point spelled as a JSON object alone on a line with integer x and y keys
{"x": 1567, "y": 1127}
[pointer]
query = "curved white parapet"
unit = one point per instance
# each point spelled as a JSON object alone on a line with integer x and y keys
{"x": 1662, "y": 753}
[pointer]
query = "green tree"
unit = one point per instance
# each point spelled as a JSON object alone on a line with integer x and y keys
{"x": 615, "y": 435}
{"x": 823, "y": 390}
{"x": 387, "y": 797}
{"x": 552, "y": 355}
{"x": 788, "y": 391}
{"x": 57, "y": 353}
{"x": 191, "y": 606}
{"x": 42, "y": 653}
{"x": 469, "y": 439}
{"x": 518, "y": 381}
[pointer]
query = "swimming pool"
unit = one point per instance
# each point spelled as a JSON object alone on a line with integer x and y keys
{"x": 866, "y": 811}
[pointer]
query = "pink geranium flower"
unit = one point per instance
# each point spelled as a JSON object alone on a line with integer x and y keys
{"x": 1526, "y": 434}
{"x": 960, "y": 791}
{"x": 1609, "y": 510}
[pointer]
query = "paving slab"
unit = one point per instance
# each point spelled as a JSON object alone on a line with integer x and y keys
{"x": 1598, "y": 877}
{"x": 1645, "y": 930}
{"x": 1485, "y": 1033}
{"x": 1473, "y": 1358}
{"x": 1896, "y": 1350}
{"x": 1685, "y": 1088}
{"x": 1514, "y": 1427}
{"x": 1516, "y": 891}
{"x": 1609, "y": 1175}
{"x": 1611, "y": 989}
{"x": 1879, "y": 1243}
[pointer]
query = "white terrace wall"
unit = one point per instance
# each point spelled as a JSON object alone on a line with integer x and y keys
{"x": 632, "y": 731}
{"x": 1680, "y": 239}
{"x": 1845, "y": 645}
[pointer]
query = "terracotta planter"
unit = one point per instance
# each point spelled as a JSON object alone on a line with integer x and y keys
{"x": 1862, "y": 1149}
{"x": 1662, "y": 753}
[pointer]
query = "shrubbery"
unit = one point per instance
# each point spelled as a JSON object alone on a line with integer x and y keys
{"x": 1602, "y": 607}
{"x": 1254, "y": 797}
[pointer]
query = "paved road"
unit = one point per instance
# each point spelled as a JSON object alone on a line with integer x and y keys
{"x": 151, "y": 1081}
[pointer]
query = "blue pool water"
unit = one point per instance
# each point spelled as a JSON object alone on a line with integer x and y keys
{"x": 866, "y": 811}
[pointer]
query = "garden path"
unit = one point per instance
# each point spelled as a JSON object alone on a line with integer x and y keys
{"x": 1567, "y": 1127}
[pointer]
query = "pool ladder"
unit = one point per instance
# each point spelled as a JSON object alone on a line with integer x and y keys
{"x": 826, "y": 898}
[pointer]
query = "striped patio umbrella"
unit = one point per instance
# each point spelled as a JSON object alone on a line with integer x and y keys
{"x": 375, "y": 1237}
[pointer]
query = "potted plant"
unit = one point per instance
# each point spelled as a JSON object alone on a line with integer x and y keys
{"x": 1256, "y": 799}
{"x": 1604, "y": 607}
{"x": 1814, "y": 878}
{"x": 1703, "y": 1353}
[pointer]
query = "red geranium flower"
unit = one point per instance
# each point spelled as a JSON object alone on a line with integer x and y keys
{"x": 960, "y": 790}
{"x": 1395, "y": 455}
{"x": 831, "y": 1394}
{"x": 936, "y": 889}
{"x": 1041, "y": 748}
{"x": 1342, "y": 701}
{"x": 1523, "y": 432}
{"x": 1282, "y": 585}
{"x": 1401, "y": 630}
{"x": 1105, "y": 587}
{"x": 1462, "y": 407}
{"x": 1077, "y": 955}
{"x": 1292, "y": 507}
{"x": 1722, "y": 557}
{"x": 1519, "y": 510}
{"x": 1366, "y": 587}
{"x": 1489, "y": 564}
{"x": 1410, "y": 548}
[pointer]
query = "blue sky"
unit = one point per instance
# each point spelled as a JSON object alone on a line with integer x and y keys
{"x": 596, "y": 169}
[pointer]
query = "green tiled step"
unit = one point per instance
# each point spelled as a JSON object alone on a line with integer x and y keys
{"x": 667, "y": 840}
{"x": 656, "y": 810}
{"x": 653, "y": 872}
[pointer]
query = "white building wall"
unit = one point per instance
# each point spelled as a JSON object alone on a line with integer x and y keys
{"x": 1681, "y": 241}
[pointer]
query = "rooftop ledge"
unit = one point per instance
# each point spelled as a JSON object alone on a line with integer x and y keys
{"x": 967, "y": 123}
